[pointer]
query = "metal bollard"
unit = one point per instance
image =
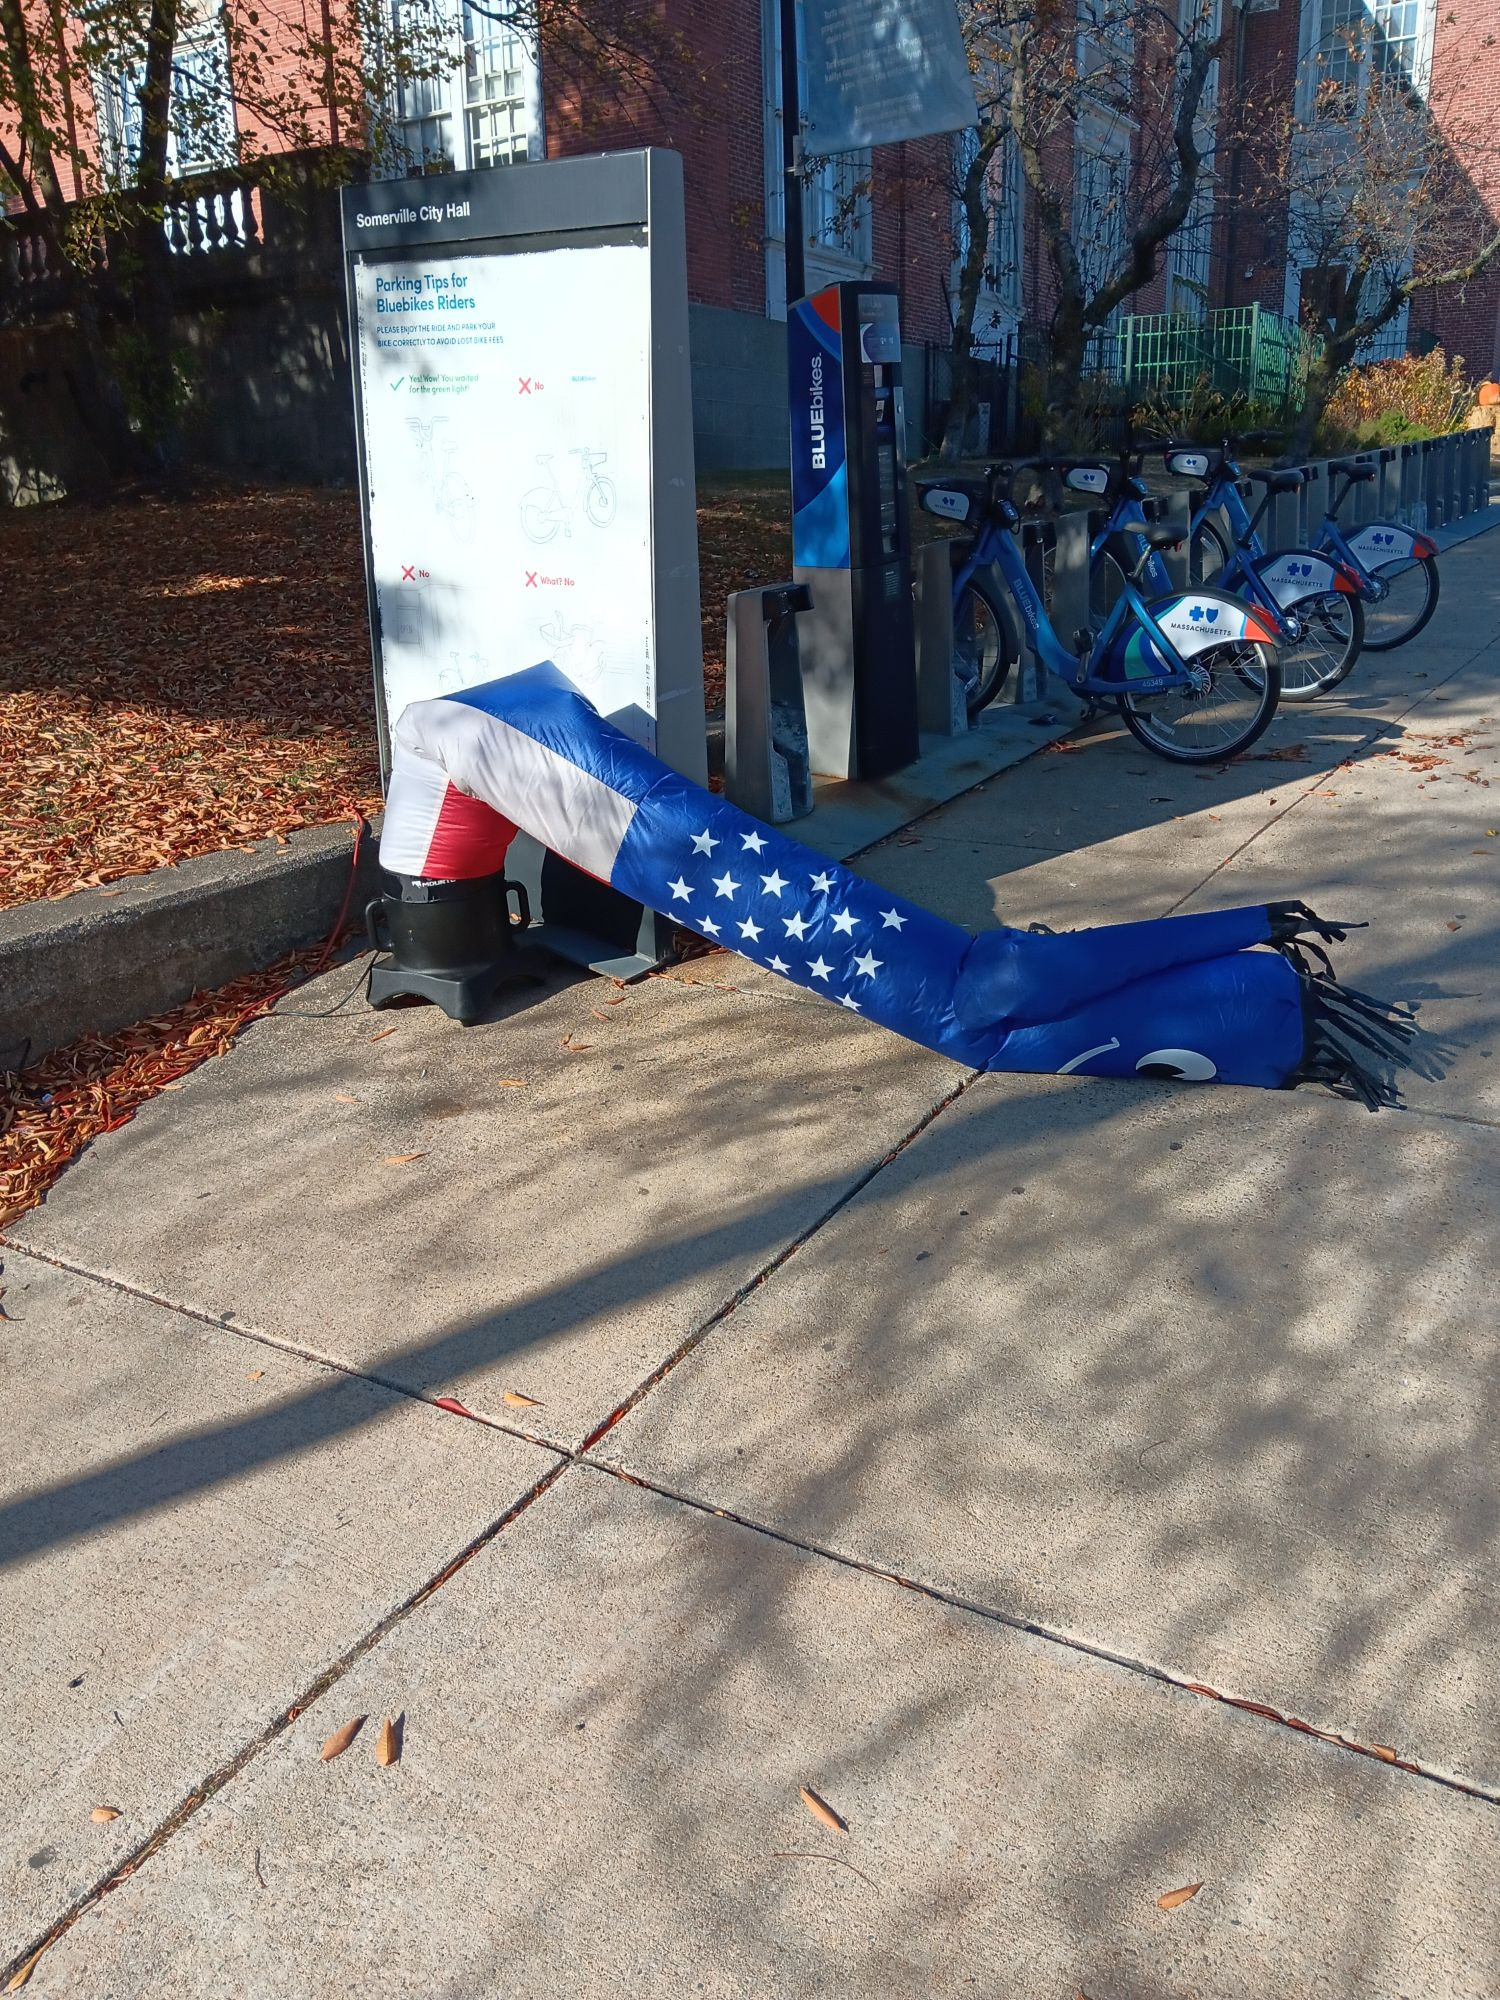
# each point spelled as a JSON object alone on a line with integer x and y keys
{"x": 1388, "y": 486}
{"x": 941, "y": 707}
{"x": 1070, "y": 574}
{"x": 1287, "y": 513}
{"x": 1413, "y": 512}
{"x": 767, "y": 769}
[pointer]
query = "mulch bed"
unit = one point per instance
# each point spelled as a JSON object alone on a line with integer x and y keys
{"x": 182, "y": 676}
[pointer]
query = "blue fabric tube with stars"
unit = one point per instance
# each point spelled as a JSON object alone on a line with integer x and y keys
{"x": 1238, "y": 996}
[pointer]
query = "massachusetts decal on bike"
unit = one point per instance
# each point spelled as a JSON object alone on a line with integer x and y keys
{"x": 1291, "y": 577}
{"x": 1195, "y": 623}
{"x": 1383, "y": 542}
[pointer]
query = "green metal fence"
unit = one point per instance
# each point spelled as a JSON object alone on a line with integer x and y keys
{"x": 1245, "y": 350}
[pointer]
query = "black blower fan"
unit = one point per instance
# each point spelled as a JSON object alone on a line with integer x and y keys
{"x": 454, "y": 943}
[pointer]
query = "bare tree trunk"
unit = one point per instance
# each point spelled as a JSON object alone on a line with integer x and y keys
{"x": 971, "y": 280}
{"x": 157, "y": 385}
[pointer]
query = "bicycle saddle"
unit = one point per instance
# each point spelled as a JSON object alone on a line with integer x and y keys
{"x": 1163, "y": 538}
{"x": 1351, "y": 468}
{"x": 1278, "y": 482}
{"x": 544, "y": 458}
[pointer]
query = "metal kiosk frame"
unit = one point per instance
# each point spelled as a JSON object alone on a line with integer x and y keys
{"x": 633, "y": 198}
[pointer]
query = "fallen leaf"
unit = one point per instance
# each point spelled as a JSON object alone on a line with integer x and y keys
{"x": 343, "y": 1097}
{"x": 1454, "y": 924}
{"x": 822, "y": 1811}
{"x": 1492, "y": 833}
{"x": 519, "y": 1402}
{"x": 574, "y": 1048}
{"x": 403, "y": 1159}
{"x": 1175, "y": 1898}
{"x": 1384, "y": 1752}
{"x": 382, "y": 1035}
{"x": 1484, "y": 853}
{"x": 388, "y": 1748}
{"x": 102, "y": 1815}
{"x": 255, "y": 1374}
{"x": 172, "y": 1086}
{"x": 340, "y": 1740}
{"x": 451, "y": 1403}
{"x": 615, "y": 1000}
{"x": 510, "y": 1082}
{"x": 19, "y": 1978}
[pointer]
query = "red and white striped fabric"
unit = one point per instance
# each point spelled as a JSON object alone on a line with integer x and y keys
{"x": 434, "y": 830}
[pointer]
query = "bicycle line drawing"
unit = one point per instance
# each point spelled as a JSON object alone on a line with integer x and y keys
{"x": 452, "y": 496}
{"x": 573, "y": 648}
{"x": 546, "y": 508}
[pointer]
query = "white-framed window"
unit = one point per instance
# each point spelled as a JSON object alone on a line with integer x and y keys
{"x": 1106, "y": 39}
{"x": 200, "y": 123}
{"x": 484, "y": 109}
{"x": 1101, "y": 191}
{"x": 998, "y": 314}
{"x": 836, "y": 207}
{"x": 1189, "y": 252}
{"x": 1346, "y": 45}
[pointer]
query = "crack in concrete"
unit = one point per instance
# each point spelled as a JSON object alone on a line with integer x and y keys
{"x": 1073, "y": 1642}
{"x": 231, "y": 1767}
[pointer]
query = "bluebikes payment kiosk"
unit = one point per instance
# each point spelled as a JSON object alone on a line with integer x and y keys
{"x": 851, "y": 535}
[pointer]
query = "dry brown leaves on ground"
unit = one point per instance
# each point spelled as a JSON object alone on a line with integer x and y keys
{"x": 183, "y": 676}
{"x": 178, "y": 677}
{"x": 54, "y": 1108}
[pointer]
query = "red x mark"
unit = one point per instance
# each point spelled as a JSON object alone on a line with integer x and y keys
{"x": 531, "y": 582}
{"x": 525, "y": 388}
{"x": 408, "y": 573}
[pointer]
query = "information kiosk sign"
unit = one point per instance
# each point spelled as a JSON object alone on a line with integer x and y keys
{"x": 524, "y": 417}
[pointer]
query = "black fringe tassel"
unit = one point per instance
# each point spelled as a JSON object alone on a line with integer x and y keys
{"x": 1352, "y": 1043}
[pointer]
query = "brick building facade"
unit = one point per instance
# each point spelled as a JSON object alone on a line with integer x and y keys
{"x": 893, "y": 215}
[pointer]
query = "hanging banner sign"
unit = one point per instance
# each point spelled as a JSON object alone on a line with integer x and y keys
{"x": 879, "y": 71}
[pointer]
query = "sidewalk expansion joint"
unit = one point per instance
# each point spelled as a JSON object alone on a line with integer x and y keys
{"x": 1319, "y": 779}
{"x": 773, "y": 1264}
{"x": 1072, "y": 1642}
{"x": 313, "y": 1357}
{"x": 231, "y": 1768}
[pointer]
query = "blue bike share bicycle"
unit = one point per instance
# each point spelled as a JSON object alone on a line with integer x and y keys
{"x": 1395, "y": 566}
{"x": 1193, "y": 672}
{"x": 1315, "y": 593}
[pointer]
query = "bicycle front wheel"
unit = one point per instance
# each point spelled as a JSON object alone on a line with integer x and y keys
{"x": 981, "y": 643}
{"x": 1232, "y": 698}
{"x": 1410, "y": 600}
{"x": 1331, "y": 634}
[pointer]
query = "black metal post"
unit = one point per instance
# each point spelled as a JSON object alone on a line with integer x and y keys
{"x": 793, "y": 229}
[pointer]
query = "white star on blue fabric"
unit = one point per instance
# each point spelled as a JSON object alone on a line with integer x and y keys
{"x": 704, "y": 843}
{"x": 822, "y": 885}
{"x": 892, "y": 920}
{"x": 725, "y": 884}
{"x": 852, "y": 1004}
{"x": 796, "y": 927}
{"x": 681, "y": 893}
{"x": 708, "y": 926}
{"x": 778, "y": 965}
{"x": 845, "y": 923}
{"x": 753, "y": 843}
{"x": 868, "y": 964}
{"x": 749, "y": 929}
{"x": 819, "y": 967}
{"x": 774, "y": 883}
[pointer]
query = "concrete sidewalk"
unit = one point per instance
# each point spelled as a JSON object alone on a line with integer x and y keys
{"x": 738, "y": 1400}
